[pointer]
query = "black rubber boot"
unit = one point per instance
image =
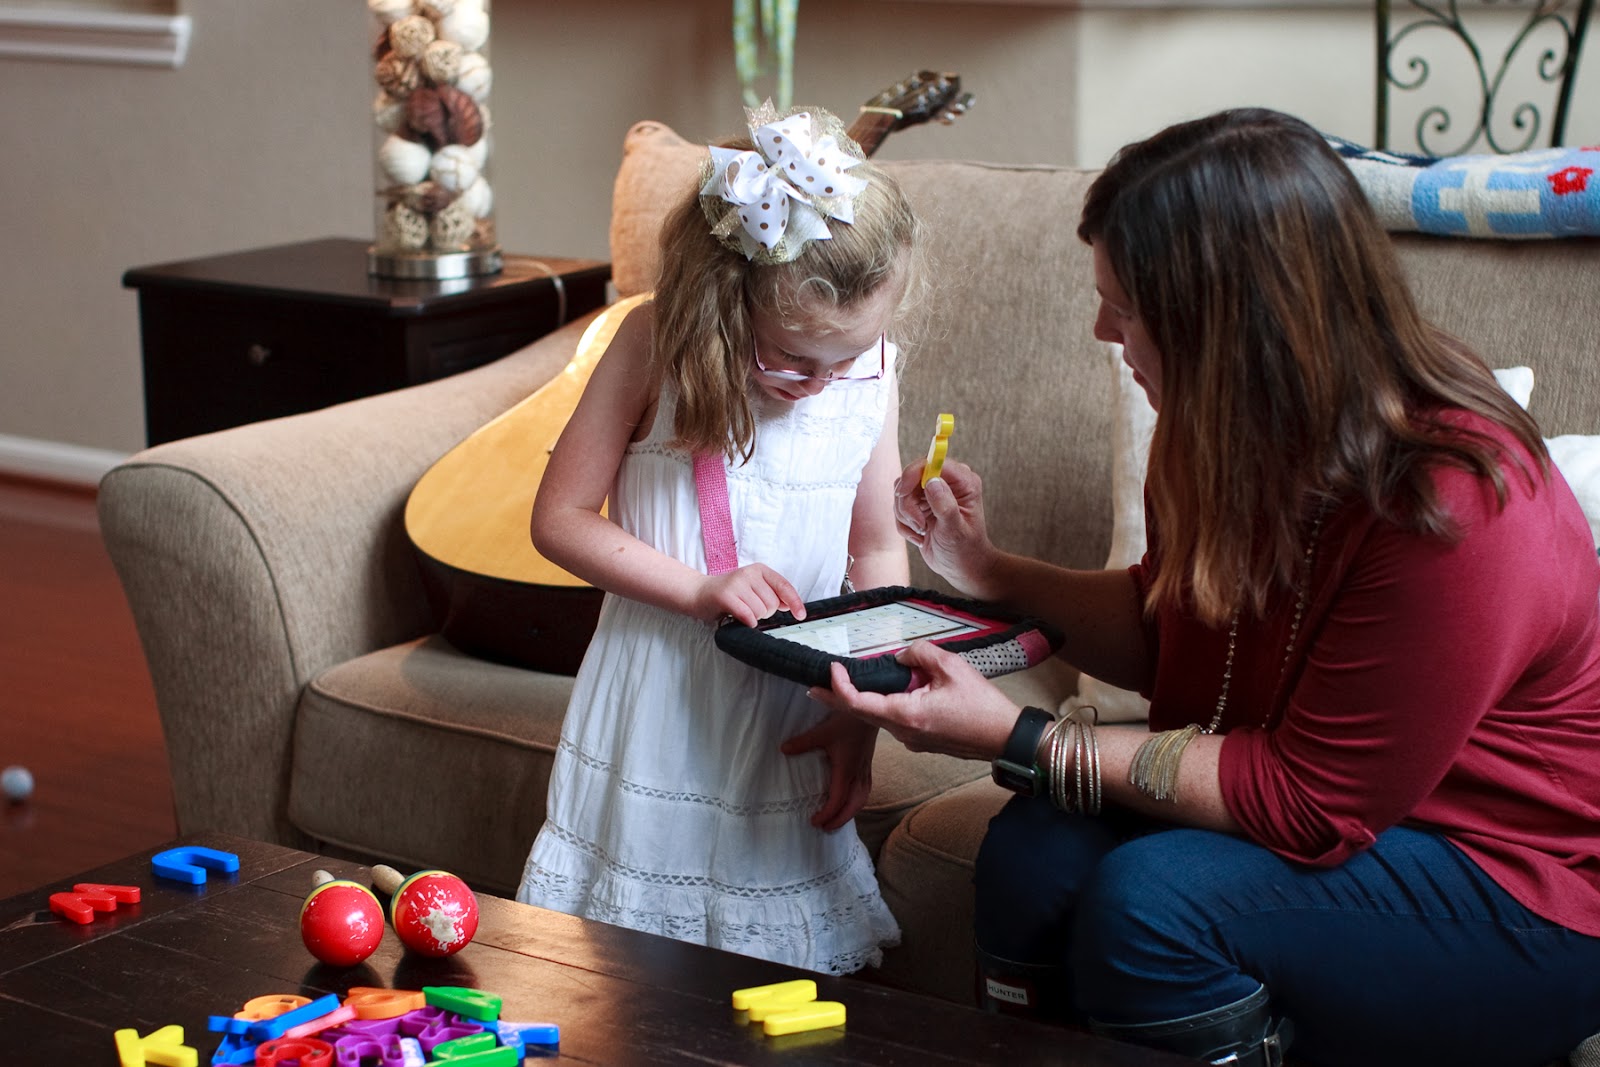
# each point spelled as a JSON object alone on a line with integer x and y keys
{"x": 1242, "y": 1034}
{"x": 1032, "y": 990}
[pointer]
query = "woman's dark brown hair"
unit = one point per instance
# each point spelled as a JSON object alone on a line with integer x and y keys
{"x": 1296, "y": 368}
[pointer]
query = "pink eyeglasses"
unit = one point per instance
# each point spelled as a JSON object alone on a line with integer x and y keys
{"x": 801, "y": 376}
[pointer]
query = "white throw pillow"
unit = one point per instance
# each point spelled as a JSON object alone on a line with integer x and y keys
{"x": 1132, "y": 423}
{"x": 1576, "y": 456}
{"x": 1518, "y": 381}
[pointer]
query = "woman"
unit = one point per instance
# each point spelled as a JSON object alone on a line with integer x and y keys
{"x": 1368, "y": 799}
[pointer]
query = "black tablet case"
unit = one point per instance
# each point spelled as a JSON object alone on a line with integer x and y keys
{"x": 1024, "y": 643}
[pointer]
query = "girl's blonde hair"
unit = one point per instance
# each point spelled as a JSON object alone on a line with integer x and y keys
{"x": 703, "y": 339}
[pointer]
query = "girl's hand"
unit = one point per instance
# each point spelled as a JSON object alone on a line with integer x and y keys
{"x": 848, "y": 744}
{"x": 957, "y": 712}
{"x": 945, "y": 521}
{"x": 749, "y": 594}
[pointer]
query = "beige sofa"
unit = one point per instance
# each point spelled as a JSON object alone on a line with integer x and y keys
{"x": 304, "y": 699}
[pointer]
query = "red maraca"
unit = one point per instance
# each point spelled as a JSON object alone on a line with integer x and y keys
{"x": 434, "y": 913}
{"x": 341, "y": 922}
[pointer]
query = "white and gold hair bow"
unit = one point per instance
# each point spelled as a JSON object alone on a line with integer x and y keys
{"x": 786, "y": 189}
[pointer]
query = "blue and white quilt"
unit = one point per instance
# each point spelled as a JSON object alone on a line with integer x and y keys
{"x": 1552, "y": 192}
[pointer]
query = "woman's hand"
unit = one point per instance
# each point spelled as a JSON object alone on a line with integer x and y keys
{"x": 749, "y": 594}
{"x": 945, "y": 521}
{"x": 957, "y": 711}
{"x": 848, "y": 744}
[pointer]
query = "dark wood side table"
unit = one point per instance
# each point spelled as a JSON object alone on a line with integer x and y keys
{"x": 275, "y": 331}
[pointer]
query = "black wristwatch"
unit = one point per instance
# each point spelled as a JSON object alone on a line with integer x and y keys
{"x": 1017, "y": 768}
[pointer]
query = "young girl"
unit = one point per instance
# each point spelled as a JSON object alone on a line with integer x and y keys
{"x": 742, "y": 425}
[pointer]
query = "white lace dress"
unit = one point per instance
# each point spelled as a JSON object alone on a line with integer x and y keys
{"x": 671, "y": 809}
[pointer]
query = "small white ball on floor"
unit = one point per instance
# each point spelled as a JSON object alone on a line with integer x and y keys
{"x": 17, "y": 783}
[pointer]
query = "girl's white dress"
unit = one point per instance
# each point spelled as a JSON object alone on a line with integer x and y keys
{"x": 671, "y": 809}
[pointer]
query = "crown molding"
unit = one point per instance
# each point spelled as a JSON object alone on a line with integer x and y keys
{"x": 1175, "y": 5}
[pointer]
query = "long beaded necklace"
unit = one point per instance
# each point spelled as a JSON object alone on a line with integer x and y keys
{"x": 1154, "y": 771}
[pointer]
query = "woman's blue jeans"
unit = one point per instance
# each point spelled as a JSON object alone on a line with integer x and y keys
{"x": 1405, "y": 954}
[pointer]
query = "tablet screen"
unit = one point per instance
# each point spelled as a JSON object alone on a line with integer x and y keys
{"x": 876, "y": 630}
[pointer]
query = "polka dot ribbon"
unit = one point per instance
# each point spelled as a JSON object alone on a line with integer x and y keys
{"x": 785, "y": 191}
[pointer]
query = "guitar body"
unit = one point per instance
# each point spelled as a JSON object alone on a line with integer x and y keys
{"x": 522, "y": 624}
{"x": 468, "y": 515}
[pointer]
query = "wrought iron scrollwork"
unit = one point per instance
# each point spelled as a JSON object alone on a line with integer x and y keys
{"x": 1554, "y": 65}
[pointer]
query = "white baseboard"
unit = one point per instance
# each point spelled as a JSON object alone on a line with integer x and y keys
{"x": 55, "y": 461}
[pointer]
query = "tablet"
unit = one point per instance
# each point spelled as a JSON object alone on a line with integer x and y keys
{"x": 881, "y": 628}
{"x": 864, "y": 630}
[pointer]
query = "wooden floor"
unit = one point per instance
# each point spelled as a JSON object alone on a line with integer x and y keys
{"x": 76, "y": 707}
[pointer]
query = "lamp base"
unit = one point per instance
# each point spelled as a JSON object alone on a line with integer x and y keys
{"x": 431, "y": 266}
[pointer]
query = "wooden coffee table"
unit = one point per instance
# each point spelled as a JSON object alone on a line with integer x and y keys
{"x": 620, "y": 997}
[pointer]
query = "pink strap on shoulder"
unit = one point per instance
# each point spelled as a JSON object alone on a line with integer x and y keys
{"x": 716, "y": 517}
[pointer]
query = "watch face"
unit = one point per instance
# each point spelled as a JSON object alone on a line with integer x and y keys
{"x": 1015, "y": 768}
{"x": 1016, "y": 778}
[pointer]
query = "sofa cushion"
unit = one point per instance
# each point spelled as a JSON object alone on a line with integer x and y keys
{"x": 658, "y": 169}
{"x": 925, "y": 871}
{"x": 488, "y": 734}
{"x": 1519, "y": 303}
{"x": 901, "y": 779}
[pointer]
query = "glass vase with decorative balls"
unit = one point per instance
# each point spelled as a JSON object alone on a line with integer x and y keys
{"x": 434, "y": 213}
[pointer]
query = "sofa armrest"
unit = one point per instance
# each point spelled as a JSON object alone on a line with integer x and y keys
{"x": 255, "y": 558}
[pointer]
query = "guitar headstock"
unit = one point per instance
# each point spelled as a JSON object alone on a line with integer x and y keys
{"x": 926, "y": 96}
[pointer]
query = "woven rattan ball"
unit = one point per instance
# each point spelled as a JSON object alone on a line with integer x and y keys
{"x": 402, "y": 161}
{"x": 451, "y": 228}
{"x": 478, "y": 198}
{"x": 467, "y": 25}
{"x": 397, "y": 75}
{"x": 440, "y": 62}
{"x": 411, "y": 36}
{"x": 388, "y": 113}
{"x": 404, "y": 229}
{"x": 388, "y": 11}
{"x": 454, "y": 167}
{"x": 428, "y": 197}
{"x": 474, "y": 76}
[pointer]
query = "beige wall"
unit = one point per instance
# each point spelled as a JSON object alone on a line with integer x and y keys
{"x": 1141, "y": 70}
{"x": 572, "y": 77}
{"x": 262, "y": 137}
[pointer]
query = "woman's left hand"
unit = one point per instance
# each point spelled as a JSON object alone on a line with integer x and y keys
{"x": 848, "y": 743}
{"x": 957, "y": 711}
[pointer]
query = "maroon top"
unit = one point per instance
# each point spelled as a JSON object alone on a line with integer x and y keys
{"x": 1450, "y": 687}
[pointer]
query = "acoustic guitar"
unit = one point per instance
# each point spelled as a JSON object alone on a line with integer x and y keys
{"x": 467, "y": 517}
